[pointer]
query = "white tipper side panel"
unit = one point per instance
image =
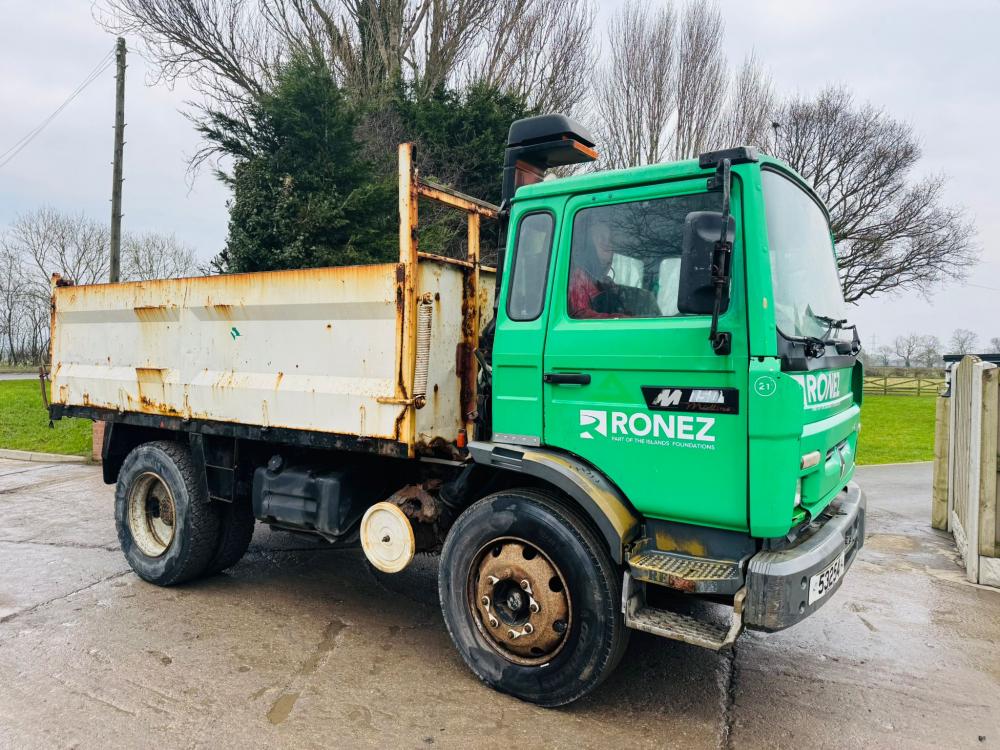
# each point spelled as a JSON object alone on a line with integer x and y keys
{"x": 310, "y": 349}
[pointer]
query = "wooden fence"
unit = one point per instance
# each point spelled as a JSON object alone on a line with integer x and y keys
{"x": 966, "y": 481}
{"x": 887, "y": 385}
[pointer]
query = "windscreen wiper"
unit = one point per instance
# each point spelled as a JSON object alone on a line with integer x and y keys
{"x": 836, "y": 324}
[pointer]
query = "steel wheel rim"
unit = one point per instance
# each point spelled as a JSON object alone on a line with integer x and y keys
{"x": 152, "y": 514}
{"x": 519, "y": 601}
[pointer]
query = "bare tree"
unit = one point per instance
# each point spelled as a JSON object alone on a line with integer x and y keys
{"x": 702, "y": 77}
{"x": 637, "y": 90}
{"x": 156, "y": 256}
{"x": 666, "y": 90}
{"x": 231, "y": 49}
{"x": 930, "y": 351}
{"x": 13, "y": 302}
{"x": 907, "y": 347}
{"x": 884, "y": 355}
{"x": 538, "y": 50}
{"x": 71, "y": 245}
{"x": 892, "y": 233}
{"x": 224, "y": 48}
{"x": 995, "y": 344}
{"x": 963, "y": 341}
{"x": 749, "y": 107}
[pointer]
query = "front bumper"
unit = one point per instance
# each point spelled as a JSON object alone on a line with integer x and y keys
{"x": 778, "y": 580}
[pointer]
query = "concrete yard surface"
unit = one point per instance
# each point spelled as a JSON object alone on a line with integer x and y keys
{"x": 303, "y": 646}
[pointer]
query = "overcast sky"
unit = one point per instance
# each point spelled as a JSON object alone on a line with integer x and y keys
{"x": 935, "y": 65}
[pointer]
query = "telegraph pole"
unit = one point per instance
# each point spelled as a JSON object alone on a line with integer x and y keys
{"x": 116, "y": 179}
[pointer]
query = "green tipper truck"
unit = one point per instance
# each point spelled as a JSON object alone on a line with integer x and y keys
{"x": 648, "y": 414}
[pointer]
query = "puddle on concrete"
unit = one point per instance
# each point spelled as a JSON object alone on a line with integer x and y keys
{"x": 282, "y": 708}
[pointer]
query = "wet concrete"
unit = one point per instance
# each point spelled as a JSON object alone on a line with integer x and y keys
{"x": 301, "y": 646}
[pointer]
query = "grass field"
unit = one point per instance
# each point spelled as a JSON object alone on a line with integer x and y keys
{"x": 24, "y": 423}
{"x": 895, "y": 429}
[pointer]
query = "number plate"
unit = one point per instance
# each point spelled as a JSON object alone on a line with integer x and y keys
{"x": 821, "y": 584}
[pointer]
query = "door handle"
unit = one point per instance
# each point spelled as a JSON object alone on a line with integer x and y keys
{"x": 566, "y": 378}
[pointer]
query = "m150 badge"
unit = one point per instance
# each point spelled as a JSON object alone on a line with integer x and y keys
{"x": 698, "y": 400}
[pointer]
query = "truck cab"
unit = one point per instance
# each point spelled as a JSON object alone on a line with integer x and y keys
{"x": 618, "y": 288}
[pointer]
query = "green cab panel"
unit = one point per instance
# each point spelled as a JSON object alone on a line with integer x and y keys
{"x": 597, "y": 354}
{"x": 662, "y": 414}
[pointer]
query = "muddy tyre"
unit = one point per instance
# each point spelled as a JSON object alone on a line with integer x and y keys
{"x": 167, "y": 529}
{"x": 236, "y": 525}
{"x": 531, "y": 597}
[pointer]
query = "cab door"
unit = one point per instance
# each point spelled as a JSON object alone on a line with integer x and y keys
{"x": 521, "y": 322}
{"x": 630, "y": 383}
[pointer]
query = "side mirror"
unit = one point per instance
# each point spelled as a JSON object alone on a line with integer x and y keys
{"x": 696, "y": 293}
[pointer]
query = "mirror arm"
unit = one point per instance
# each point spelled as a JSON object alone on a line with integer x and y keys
{"x": 722, "y": 341}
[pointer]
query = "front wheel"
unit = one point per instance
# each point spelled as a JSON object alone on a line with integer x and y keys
{"x": 531, "y": 598}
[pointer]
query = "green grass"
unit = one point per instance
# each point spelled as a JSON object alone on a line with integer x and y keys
{"x": 896, "y": 429}
{"x": 24, "y": 423}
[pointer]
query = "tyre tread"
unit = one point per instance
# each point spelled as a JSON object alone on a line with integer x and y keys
{"x": 575, "y": 521}
{"x": 236, "y": 527}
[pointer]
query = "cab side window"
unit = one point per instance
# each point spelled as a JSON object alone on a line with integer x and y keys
{"x": 530, "y": 270}
{"x": 625, "y": 259}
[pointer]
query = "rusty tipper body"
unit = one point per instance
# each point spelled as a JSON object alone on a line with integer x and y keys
{"x": 653, "y": 400}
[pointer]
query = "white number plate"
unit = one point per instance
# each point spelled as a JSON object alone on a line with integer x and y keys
{"x": 821, "y": 583}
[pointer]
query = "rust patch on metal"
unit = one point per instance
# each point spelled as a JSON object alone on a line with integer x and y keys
{"x": 451, "y": 197}
{"x": 690, "y": 546}
{"x": 671, "y": 581}
{"x": 155, "y": 313}
{"x": 152, "y": 406}
{"x": 465, "y": 364}
{"x": 519, "y": 610}
{"x": 417, "y": 502}
{"x": 438, "y": 448}
{"x": 152, "y": 395}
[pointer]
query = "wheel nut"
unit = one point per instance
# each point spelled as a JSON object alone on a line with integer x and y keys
{"x": 524, "y": 585}
{"x": 533, "y": 606}
{"x": 486, "y": 601}
{"x": 528, "y": 628}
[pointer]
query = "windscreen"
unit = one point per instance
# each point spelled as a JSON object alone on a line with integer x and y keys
{"x": 803, "y": 262}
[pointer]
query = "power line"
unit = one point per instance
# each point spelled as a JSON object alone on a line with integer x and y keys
{"x": 7, "y": 156}
{"x": 981, "y": 286}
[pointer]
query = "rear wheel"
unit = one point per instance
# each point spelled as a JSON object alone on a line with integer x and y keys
{"x": 167, "y": 530}
{"x": 236, "y": 525}
{"x": 531, "y": 598}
